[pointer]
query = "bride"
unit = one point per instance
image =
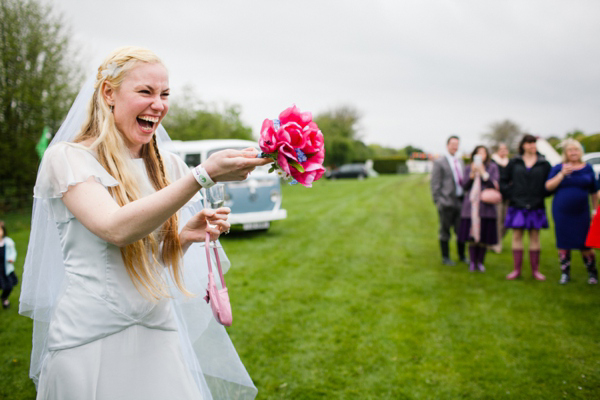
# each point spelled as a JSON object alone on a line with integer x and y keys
{"x": 114, "y": 300}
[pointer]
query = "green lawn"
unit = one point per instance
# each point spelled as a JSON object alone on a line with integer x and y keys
{"x": 347, "y": 299}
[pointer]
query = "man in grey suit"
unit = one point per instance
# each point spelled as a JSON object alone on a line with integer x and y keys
{"x": 446, "y": 188}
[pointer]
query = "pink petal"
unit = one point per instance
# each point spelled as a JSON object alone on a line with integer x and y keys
{"x": 286, "y": 152}
{"x": 292, "y": 134}
{"x": 314, "y": 141}
{"x": 267, "y": 140}
{"x": 283, "y": 163}
{"x": 293, "y": 114}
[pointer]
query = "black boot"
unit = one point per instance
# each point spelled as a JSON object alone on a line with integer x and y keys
{"x": 590, "y": 264}
{"x": 564, "y": 257}
{"x": 446, "y": 253}
{"x": 461, "y": 252}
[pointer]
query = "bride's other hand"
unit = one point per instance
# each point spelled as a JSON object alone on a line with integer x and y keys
{"x": 233, "y": 165}
{"x": 195, "y": 230}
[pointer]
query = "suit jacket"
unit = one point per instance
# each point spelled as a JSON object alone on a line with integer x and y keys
{"x": 443, "y": 187}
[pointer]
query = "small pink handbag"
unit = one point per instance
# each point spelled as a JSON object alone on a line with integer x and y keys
{"x": 491, "y": 196}
{"x": 218, "y": 298}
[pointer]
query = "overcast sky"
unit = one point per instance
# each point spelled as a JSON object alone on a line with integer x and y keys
{"x": 417, "y": 70}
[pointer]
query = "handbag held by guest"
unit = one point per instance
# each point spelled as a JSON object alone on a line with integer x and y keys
{"x": 491, "y": 196}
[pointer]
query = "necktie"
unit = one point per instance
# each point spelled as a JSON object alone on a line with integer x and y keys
{"x": 458, "y": 173}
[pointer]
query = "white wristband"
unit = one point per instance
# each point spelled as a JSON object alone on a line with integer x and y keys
{"x": 202, "y": 177}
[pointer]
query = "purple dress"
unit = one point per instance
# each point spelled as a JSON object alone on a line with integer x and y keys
{"x": 571, "y": 206}
{"x": 527, "y": 218}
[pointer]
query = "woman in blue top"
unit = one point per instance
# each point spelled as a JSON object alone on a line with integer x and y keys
{"x": 573, "y": 181}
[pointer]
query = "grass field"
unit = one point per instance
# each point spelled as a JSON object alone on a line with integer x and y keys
{"x": 347, "y": 299}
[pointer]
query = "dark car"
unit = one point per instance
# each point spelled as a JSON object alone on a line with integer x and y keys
{"x": 358, "y": 171}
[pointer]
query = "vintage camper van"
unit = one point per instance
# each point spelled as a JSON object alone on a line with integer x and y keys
{"x": 254, "y": 202}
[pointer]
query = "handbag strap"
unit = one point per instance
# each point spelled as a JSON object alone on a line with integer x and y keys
{"x": 207, "y": 246}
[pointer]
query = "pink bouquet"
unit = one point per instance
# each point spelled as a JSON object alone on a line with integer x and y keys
{"x": 296, "y": 144}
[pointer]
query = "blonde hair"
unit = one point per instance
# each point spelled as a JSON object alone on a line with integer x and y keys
{"x": 113, "y": 154}
{"x": 571, "y": 142}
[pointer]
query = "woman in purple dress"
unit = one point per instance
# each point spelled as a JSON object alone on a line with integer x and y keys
{"x": 482, "y": 174}
{"x": 523, "y": 184}
{"x": 573, "y": 183}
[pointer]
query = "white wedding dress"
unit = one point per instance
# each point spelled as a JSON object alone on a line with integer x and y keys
{"x": 104, "y": 339}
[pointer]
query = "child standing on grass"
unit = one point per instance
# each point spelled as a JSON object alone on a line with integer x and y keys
{"x": 8, "y": 256}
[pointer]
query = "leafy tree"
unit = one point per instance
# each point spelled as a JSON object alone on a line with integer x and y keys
{"x": 360, "y": 152}
{"x": 590, "y": 143}
{"x": 380, "y": 151}
{"x": 38, "y": 80}
{"x": 338, "y": 151}
{"x": 576, "y": 134}
{"x": 340, "y": 128}
{"x": 506, "y": 132}
{"x": 555, "y": 142}
{"x": 191, "y": 119}
{"x": 408, "y": 150}
{"x": 342, "y": 121}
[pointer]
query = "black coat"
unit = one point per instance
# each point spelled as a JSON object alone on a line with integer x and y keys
{"x": 522, "y": 187}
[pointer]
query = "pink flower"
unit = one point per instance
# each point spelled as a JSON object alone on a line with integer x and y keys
{"x": 298, "y": 145}
{"x": 312, "y": 172}
{"x": 293, "y": 114}
{"x": 313, "y": 169}
{"x": 286, "y": 152}
{"x": 314, "y": 141}
{"x": 292, "y": 134}
{"x": 268, "y": 137}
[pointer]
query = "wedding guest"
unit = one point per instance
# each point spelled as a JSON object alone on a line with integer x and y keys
{"x": 8, "y": 256}
{"x": 447, "y": 191}
{"x": 573, "y": 182}
{"x": 500, "y": 157}
{"x": 523, "y": 184}
{"x": 478, "y": 219}
{"x": 114, "y": 301}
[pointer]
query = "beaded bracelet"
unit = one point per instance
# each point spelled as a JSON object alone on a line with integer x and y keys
{"x": 202, "y": 177}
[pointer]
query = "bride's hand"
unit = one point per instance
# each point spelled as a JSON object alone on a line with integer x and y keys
{"x": 195, "y": 230}
{"x": 233, "y": 165}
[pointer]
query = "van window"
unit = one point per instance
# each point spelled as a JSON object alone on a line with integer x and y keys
{"x": 263, "y": 168}
{"x": 192, "y": 159}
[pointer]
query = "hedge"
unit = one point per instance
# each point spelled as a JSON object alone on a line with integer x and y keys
{"x": 388, "y": 165}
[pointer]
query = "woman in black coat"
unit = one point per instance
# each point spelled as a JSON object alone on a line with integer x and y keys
{"x": 523, "y": 184}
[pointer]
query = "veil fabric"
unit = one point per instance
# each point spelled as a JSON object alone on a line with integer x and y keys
{"x": 207, "y": 349}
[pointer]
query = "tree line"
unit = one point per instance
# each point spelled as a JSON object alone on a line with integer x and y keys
{"x": 510, "y": 133}
{"x": 40, "y": 76}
